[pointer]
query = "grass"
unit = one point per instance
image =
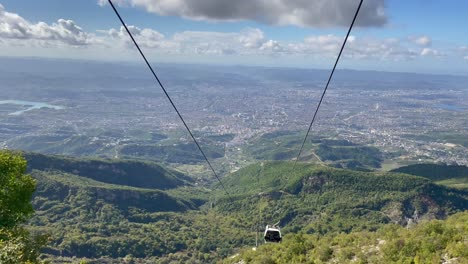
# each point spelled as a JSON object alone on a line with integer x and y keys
{"x": 459, "y": 183}
{"x": 390, "y": 164}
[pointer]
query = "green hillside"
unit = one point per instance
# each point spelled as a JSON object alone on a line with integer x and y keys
{"x": 283, "y": 145}
{"x": 56, "y": 187}
{"x": 177, "y": 153}
{"x": 455, "y": 176}
{"x": 89, "y": 218}
{"x": 123, "y": 172}
{"x": 94, "y": 142}
{"x": 86, "y": 218}
{"x": 280, "y": 145}
{"x": 322, "y": 199}
{"x": 351, "y": 156}
{"x": 428, "y": 242}
{"x": 94, "y": 215}
{"x": 435, "y": 172}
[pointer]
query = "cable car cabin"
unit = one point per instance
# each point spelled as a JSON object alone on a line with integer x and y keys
{"x": 272, "y": 234}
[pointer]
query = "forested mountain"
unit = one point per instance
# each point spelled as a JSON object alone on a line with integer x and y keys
{"x": 319, "y": 199}
{"x": 435, "y": 172}
{"x": 283, "y": 145}
{"x": 94, "y": 215}
{"x": 455, "y": 176}
{"x": 124, "y": 172}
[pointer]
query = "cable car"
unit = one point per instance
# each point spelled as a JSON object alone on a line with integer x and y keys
{"x": 272, "y": 234}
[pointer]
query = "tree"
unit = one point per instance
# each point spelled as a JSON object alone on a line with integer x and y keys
{"x": 16, "y": 190}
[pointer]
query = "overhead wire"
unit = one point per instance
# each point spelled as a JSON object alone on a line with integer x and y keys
{"x": 328, "y": 82}
{"x": 321, "y": 98}
{"x": 260, "y": 214}
{"x": 170, "y": 100}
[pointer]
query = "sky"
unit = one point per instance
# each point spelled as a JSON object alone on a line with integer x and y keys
{"x": 426, "y": 36}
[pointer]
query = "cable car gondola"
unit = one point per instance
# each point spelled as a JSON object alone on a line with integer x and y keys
{"x": 272, "y": 234}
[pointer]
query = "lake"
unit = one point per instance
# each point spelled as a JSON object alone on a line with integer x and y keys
{"x": 30, "y": 106}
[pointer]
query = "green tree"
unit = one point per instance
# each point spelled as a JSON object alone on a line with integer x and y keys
{"x": 16, "y": 190}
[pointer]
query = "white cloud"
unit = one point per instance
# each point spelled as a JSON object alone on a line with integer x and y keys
{"x": 14, "y": 27}
{"x": 307, "y": 13}
{"x": 272, "y": 46}
{"x": 380, "y": 49}
{"x": 431, "y": 52}
{"x": 252, "y": 38}
{"x": 424, "y": 41}
{"x": 322, "y": 43}
{"x": 356, "y": 48}
{"x": 145, "y": 37}
{"x": 17, "y": 32}
{"x": 205, "y": 42}
{"x": 252, "y": 41}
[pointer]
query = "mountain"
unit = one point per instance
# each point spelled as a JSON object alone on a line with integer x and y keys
{"x": 450, "y": 175}
{"x": 123, "y": 172}
{"x": 93, "y": 208}
{"x": 57, "y": 187}
{"x": 91, "y": 213}
{"x": 283, "y": 145}
{"x": 320, "y": 199}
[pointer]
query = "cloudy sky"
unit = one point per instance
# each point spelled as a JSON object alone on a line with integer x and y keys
{"x": 429, "y": 36}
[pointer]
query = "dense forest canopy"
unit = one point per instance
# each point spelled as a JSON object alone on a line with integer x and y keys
{"x": 94, "y": 216}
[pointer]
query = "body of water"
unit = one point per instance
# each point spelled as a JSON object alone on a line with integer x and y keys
{"x": 30, "y": 106}
{"x": 450, "y": 107}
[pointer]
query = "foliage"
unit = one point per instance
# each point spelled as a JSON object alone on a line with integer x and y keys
{"x": 432, "y": 241}
{"x": 17, "y": 245}
{"x": 369, "y": 156}
{"x": 105, "y": 223}
{"x": 177, "y": 153}
{"x": 458, "y": 183}
{"x": 455, "y": 176}
{"x": 16, "y": 190}
{"x": 92, "y": 219}
{"x": 283, "y": 145}
{"x": 435, "y": 172}
{"x": 124, "y": 172}
{"x": 58, "y": 186}
{"x": 323, "y": 199}
{"x": 279, "y": 145}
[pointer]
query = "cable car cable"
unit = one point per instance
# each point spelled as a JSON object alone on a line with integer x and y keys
{"x": 323, "y": 95}
{"x": 328, "y": 82}
{"x": 169, "y": 98}
{"x": 259, "y": 217}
